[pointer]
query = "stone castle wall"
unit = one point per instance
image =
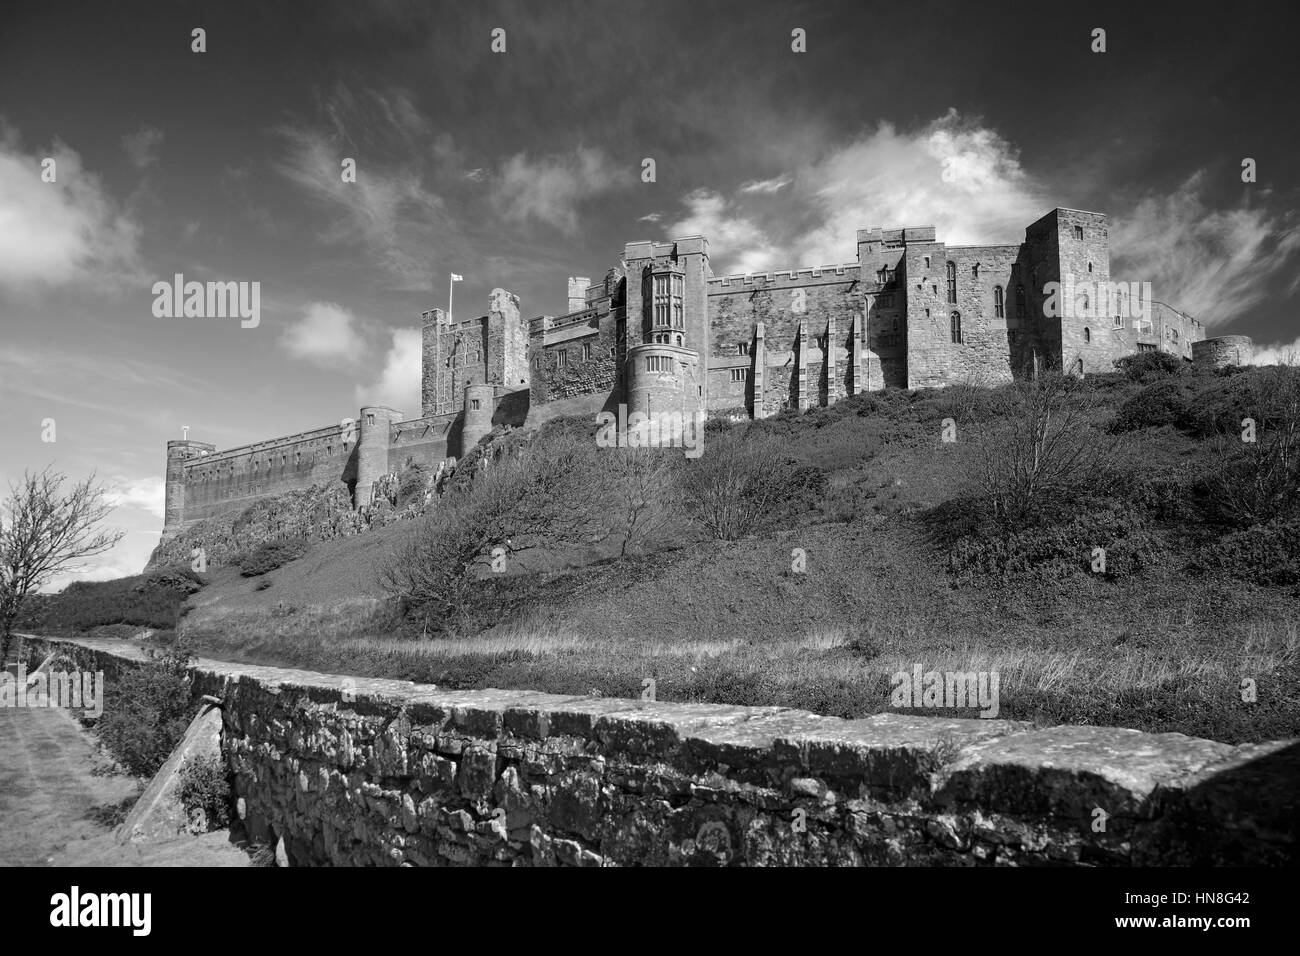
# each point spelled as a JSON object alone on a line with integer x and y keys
{"x": 353, "y": 771}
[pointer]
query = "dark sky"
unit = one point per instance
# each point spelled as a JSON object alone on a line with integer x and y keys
{"x": 518, "y": 169}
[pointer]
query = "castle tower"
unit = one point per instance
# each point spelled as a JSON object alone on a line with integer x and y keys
{"x": 1223, "y": 351}
{"x": 668, "y": 330}
{"x": 578, "y": 286}
{"x": 480, "y": 403}
{"x": 372, "y": 449}
{"x": 178, "y": 453}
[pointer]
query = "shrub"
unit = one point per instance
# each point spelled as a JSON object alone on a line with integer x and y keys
{"x": 1167, "y": 402}
{"x": 1149, "y": 366}
{"x": 1266, "y": 554}
{"x": 538, "y": 494}
{"x": 205, "y": 787}
{"x": 146, "y": 712}
{"x": 272, "y": 554}
{"x": 1059, "y": 550}
{"x": 153, "y": 599}
{"x": 412, "y": 485}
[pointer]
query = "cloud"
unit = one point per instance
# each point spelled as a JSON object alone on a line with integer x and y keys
{"x": 398, "y": 385}
{"x": 651, "y": 217}
{"x": 142, "y": 146}
{"x": 147, "y": 494}
{"x": 1215, "y": 264}
{"x": 388, "y": 211}
{"x": 740, "y": 242}
{"x": 56, "y": 233}
{"x": 766, "y": 185}
{"x": 550, "y": 189}
{"x": 327, "y": 334}
{"x": 952, "y": 173}
{"x": 476, "y": 175}
{"x": 1279, "y": 353}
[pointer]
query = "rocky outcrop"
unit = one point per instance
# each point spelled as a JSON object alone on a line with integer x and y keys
{"x": 351, "y": 771}
{"x": 319, "y": 513}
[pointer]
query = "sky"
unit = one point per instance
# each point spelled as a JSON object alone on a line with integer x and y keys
{"x": 519, "y": 168}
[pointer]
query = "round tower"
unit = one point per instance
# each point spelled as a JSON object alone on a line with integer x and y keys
{"x": 663, "y": 379}
{"x": 178, "y": 453}
{"x": 1222, "y": 351}
{"x": 480, "y": 403}
{"x": 372, "y": 449}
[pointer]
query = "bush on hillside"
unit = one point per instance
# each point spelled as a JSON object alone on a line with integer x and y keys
{"x": 1149, "y": 366}
{"x": 1268, "y": 554}
{"x": 539, "y": 494}
{"x": 272, "y": 554}
{"x": 412, "y": 484}
{"x": 153, "y": 599}
{"x": 1059, "y": 550}
{"x": 1169, "y": 402}
{"x": 146, "y": 712}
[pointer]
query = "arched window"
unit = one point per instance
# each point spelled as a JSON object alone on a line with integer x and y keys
{"x": 952, "y": 282}
{"x": 975, "y": 271}
{"x": 1087, "y": 334}
{"x": 999, "y": 308}
{"x": 1022, "y": 304}
{"x": 1078, "y": 366}
{"x": 954, "y": 322}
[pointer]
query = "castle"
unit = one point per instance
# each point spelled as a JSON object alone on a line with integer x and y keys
{"x": 661, "y": 333}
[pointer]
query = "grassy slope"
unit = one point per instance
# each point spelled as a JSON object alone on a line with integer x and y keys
{"x": 730, "y": 622}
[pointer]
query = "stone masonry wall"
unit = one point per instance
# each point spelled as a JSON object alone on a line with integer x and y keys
{"x": 350, "y": 771}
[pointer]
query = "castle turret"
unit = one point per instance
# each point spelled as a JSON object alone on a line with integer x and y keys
{"x": 1223, "y": 351}
{"x": 178, "y": 453}
{"x": 480, "y": 403}
{"x": 372, "y": 449}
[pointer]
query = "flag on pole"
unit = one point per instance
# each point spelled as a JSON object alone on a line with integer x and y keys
{"x": 456, "y": 278}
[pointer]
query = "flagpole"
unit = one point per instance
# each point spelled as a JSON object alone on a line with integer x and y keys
{"x": 451, "y": 290}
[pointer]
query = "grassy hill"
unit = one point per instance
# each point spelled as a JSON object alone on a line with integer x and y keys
{"x": 903, "y": 564}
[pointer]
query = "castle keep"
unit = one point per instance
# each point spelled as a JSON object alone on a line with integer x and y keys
{"x": 661, "y": 333}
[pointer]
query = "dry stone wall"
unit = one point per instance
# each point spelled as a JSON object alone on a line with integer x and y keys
{"x": 349, "y": 771}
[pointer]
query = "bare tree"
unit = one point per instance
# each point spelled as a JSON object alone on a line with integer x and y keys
{"x": 640, "y": 493}
{"x": 1044, "y": 449}
{"x": 739, "y": 483}
{"x": 45, "y": 531}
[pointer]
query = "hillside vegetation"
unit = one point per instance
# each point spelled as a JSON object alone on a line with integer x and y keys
{"x": 1120, "y": 550}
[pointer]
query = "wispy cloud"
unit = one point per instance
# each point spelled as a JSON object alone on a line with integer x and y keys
{"x": 549, "y": 189}
{"x": 55, "y": 233}
{"x": 737, "y": 241}
{"x": 766, "y": 185}
{"x": 1215, "y": 263}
